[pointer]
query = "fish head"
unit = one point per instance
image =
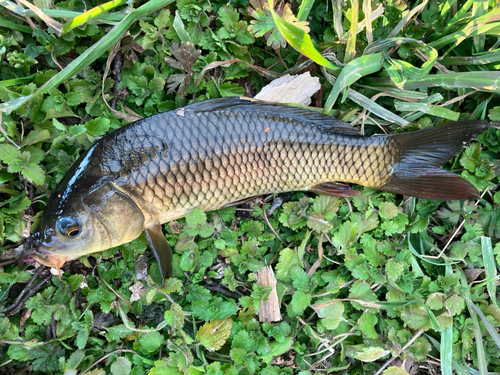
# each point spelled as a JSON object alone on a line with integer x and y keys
{"x": 84, "y": 223}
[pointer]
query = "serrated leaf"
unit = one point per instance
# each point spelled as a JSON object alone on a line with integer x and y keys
{"x": 122, "y": 366}
{"x": 288, "y": 258}
{"x": 367, "y": 325}
{"x": 326, "y": 205}
{"x": 317, "y": 222}
{"x": 196, "y": 217}
{"x": 35, "y": 136}
{"x": 8, "y": 153}
{"x": 34, "y": 173}
{"x": 370, "y": 354}
{"x": 175, "y": 316}
{"x": 172, "y": 285}
{"x": 394, "y": 370}
{"x": 388, "y": 210}
{"x": 455, "y": 304}
{"x": 151, "y": 342}
{"x": 300, "y": 301}
{"x": 213, "y": 334}
{"x": 98, "y": 126}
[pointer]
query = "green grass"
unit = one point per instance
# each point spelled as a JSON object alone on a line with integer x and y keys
{"x": 404, "y": 285}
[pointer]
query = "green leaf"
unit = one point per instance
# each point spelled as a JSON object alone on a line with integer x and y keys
{"x": 175, "y": 316}
{"x": 326, "y": 205}
{"x": 367, "y": 325}
{"x": 301, "y": 41}
{"x": 346, "y": 233}
{"x": 352, "y": 72}
{"x": 317, "y": 222}
{"x": 388, "y": 210}
{"x": 369, "y": 354}
{"x": 288, "y": 259}
{"x": 331, "y": 315}
{"x": 394, "y": 370}
{"x": 34, "y": 173}
{"x": 151, "y": 342}
{"x": 18, "y": 353}
{"x": 98, "y": 126}
{"x": 213, "y": 334}
{"x": 35, "y": 136}
{"x": 300, "y": 301}
{"x": 196, "y": 217}
{"x": 8, "y": 153}
{"x": 122, "y": 366}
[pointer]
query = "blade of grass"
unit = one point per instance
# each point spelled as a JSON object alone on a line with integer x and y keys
{"x": 483, "y": 81}
{"x": 446, "y": 345}
{"x": 479, "y": 8}
{"x": 52, "y": 23}
{"x": 56, "y": 13}
{"x": 460, "y": 15}
{"x": 17, "y": 81}
{"x": 367, "y": 10}
{"x": 412, "y": 237}
{"x": 490, "y": 268}
{"x": 489, "y": 327}
{"x": 394, "y": 32}
{"x": 367, "y": 103}
{"x": 9, "y": 5}
{"x": 374, "y": 108}
{"x": 91, "y": 54}
{"x": 353, "y": 71}
{"x": 304, "y": 9}
{"x": 337, "y": 18}
{"x": 434, "y": 98}
{"x": 379, "y": 10}
{"x": 474, "y": 27}
{"x": 481, "y": 357}
{"x": 301, "y": 41}
{"x": 180, "y": 29}
{"x": 14, "y": 26}
{"x": 91, "y": 14}
{"x": 427, "y": 108}
{"x": 480, "y": 59}
{"x": 447, "y": 6}
{"x": 350, "y": 50}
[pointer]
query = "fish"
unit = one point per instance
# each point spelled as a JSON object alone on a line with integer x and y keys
{"x": 216, "y": 152}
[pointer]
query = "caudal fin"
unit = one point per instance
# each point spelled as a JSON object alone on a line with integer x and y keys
{"x": 418, "y": 171}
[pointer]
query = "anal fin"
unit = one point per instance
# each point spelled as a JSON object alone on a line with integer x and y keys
{"x": 161, "y": 249}
{"x": 334, "y": 189}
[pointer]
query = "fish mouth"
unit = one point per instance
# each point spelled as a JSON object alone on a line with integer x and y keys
{"x": 33, "y": 249}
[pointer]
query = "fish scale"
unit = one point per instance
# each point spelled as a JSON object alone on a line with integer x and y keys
{"x": 217, "y": 152}
{"x": 191, "y": 160}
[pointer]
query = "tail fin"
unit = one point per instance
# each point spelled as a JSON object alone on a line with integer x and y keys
{"x": 417, "y": 172}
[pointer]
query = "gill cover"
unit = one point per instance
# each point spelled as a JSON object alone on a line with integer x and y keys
{"x": 116, "y": 216}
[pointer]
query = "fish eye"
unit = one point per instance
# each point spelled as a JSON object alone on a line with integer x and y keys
{"x": 68, "y": 226}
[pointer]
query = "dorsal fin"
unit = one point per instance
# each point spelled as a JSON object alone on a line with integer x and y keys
{"x": 329, "y": 123}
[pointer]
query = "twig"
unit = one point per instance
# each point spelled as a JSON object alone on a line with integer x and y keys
{"x": 342, "y": 336}
{"x": 214, "y": 287}
{"x": 106, "y": 356}
{"x": 316, "y": 264}
{"x": 117, "y": 294}
{"x": 269, "y": 224}
{"x": 454, "y": 233}
{"x": 8, "y": 262}
{"x": 411, "y": 341}
{"x": 23, "y": 370}
{"x": 26, "y": 289}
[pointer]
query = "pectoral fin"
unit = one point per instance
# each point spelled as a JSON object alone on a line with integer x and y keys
{"x": 161, "y": 249}
{"x": 334, "y": 189}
